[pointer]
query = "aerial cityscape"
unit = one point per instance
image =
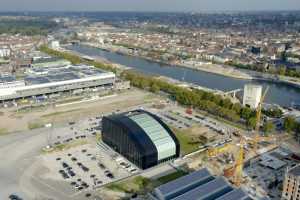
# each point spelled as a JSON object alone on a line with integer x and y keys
{"x": 138, "y": 100}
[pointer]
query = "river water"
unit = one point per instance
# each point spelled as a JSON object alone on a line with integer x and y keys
{"x": 279, "y": 93}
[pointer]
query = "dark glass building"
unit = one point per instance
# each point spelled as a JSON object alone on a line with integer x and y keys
{"x": 141, "y": 137}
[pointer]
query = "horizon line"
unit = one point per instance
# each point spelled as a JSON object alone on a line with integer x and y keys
{"x": 149, "y": 11}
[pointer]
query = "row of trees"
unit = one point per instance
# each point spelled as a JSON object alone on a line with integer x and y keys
{"x": 199, "y": 99}
{"x": 207, "y": 101}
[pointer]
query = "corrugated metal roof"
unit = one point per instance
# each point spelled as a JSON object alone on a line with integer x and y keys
{"x": 211, "y": 190}
{"x": 199, "y": 185}
{"x": 184, "y": 184}
{"x": 164, "y": 143}
{"x": 237, "y": 194}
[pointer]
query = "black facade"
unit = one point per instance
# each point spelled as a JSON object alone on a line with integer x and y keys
{"x": 127, "y": 138}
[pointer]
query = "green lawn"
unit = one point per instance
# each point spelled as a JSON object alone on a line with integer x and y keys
{"x": 186, "y": 144}
{"x": 134, "y": 185}
{"x": 172, "y": 176}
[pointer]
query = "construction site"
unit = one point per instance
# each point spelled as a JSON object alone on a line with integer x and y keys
{"x": 252, "y": 161}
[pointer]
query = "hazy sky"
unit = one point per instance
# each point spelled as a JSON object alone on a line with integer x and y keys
{"x": 147, "y": 5}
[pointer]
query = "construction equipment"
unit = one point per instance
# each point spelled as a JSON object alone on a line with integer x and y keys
{"x": 237, "y": 169}
{"x": 257, "y": 137}
{"x": 213, "y": 152}
{"x": 239, "y": 165}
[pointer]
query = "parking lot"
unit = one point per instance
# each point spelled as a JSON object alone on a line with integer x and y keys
{"x": 84, "y": 168}
{"x": 178, "y": 118}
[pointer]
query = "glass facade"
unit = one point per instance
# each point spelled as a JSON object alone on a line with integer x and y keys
{"x": 129, "y": 137}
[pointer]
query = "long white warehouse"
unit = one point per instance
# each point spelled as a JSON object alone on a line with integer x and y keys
{"x": 43, "y": 81}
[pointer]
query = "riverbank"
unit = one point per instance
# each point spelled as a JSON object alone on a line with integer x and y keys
{"x": 207, "y": 67}
{"x": 227, "y": 71}
{"x": 279, "y": 93}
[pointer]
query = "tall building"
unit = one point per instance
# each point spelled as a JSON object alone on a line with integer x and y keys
{"x": 141, "y": 137}
{"x": 291, "y": 186}
{"x": 252, "y": 95}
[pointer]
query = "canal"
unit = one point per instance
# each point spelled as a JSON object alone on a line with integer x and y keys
{"x": 280, "y": 94}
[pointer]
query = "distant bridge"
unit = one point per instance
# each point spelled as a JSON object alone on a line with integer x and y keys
{"x": 233, "y": 92}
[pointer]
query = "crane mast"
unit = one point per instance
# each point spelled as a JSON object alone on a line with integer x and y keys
{"x": 258, "y": 119}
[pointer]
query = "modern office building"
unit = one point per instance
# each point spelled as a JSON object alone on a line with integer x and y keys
{"x": 49, "y": 80}
{"x": 141, "y": 137}
{"x": 252, "y": 95}
{"x": 198, "y": 185}
{"x": 291, "y": 186}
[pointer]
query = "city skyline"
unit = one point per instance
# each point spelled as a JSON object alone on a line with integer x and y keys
{"x": 154, "y": 5}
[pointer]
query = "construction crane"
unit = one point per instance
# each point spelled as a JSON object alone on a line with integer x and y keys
{"x": 257, "y": 137}
{"x": 239, "y": 165}
{"x": 239, "y": 159}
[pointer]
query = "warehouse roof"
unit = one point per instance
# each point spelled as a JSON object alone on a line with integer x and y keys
{"x": 7, "y": 78}
{"x": 199, "y": 185}
{"x": 238, "y": 194}
{"x": 182, "y": 184}
{"x": 211, "y": 190}
{"x": 39, "y": 75}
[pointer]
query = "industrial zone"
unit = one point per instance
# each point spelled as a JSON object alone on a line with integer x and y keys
{"x": 86, "y": 132}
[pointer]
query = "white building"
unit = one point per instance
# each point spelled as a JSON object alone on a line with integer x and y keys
{"x": 53, "y": 80}
{"x": 55, "y": 44}
{"x": 4, "y": 52}
{"x": 252, "y": 95}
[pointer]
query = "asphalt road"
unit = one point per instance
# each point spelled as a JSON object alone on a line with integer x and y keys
{"x": 17, "y": 151}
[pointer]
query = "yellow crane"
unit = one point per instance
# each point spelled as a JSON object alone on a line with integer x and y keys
{"x": 239, "y": 163}
{"x": 257, "y": 137}
{"x": 239, "y": 159}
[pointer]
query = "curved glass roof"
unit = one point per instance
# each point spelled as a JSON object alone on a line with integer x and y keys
{"x": 163, "y": 142}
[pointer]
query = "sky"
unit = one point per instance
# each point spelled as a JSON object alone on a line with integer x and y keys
{"x": 148, "y": 5}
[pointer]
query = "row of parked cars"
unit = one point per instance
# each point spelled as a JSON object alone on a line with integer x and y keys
{"x": 126, "y": 165}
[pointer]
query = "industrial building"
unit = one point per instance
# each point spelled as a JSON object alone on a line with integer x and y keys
{"x": 49, "y": 62}
{"x": 252, "y": 95}
{"x": 141, "y": 137}
{"x": 47, "y": 80}
{"x": 198, "y": 185}
{"x": 291, "y": 186}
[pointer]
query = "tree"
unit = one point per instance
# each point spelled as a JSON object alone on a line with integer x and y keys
{"x": 154, "y": 88}
{"x": 289, "y": 124}
{"x": 251, "y": 122}
{"x": 237, "y": 107}
{"x": 282, "y": 70}
{"x": 268, "y": 127}
{"x": 246, "y": 113}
